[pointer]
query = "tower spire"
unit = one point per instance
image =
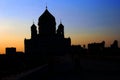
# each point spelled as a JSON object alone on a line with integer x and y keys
{"x": 46, "y": 6}
{"x": 33, "y": 21}
{"x": 60, "y": 21}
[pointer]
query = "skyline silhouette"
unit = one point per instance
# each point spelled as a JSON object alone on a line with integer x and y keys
{"x": 48, "y": 53}
{"x": 48, "y": 38}
{"x": 85, "y": 21}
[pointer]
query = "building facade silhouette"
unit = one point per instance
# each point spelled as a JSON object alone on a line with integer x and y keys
{"x": 10, "y": 51}
{"x": 47, "y": 39}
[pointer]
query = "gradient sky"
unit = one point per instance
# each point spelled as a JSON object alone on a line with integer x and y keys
{"x": 85, "y": 21}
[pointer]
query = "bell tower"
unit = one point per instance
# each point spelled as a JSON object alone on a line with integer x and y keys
{"x": 33, "y": 31}
{"x": 60, "y": 30}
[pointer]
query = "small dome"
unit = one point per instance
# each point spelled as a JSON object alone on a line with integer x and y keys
{"x": 33, "y": 26}
{"x": 61, "y": 25}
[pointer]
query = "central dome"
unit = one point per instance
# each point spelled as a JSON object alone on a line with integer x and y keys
{"x": 47, "y": 23}
{"x": 46, "y": 15}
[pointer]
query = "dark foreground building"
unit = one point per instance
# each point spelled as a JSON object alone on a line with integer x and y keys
{"x": 47, "y": 39}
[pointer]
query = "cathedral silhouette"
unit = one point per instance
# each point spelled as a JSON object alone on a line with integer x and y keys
{"x": 48, "y": 39}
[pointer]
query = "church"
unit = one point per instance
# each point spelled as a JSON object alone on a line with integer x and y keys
{"x": 46, "y": 39}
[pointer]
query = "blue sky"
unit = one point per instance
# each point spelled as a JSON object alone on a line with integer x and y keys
{"x": 85, "y": 21}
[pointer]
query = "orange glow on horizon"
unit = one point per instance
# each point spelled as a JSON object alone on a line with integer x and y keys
{"x": 17, "y": 40}
{"x": 76, "y": 40}
{"x": 11, "y": 42}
